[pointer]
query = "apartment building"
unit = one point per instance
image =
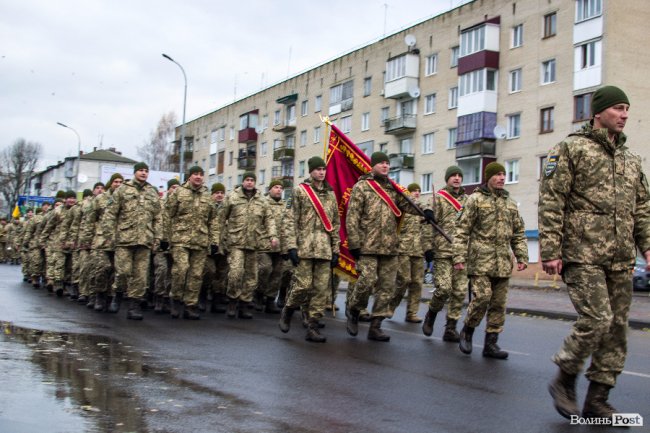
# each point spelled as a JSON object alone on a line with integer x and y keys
{"x": 488, "y": 80}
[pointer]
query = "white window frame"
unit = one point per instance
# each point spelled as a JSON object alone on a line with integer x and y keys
{"x": 406, "y": 145}
{"x": 587, "y": 9}
{"x": 301, "y": 168}
{"x": 367, "y": 86}
{"x": 430, "y": 104}
{"x": 428, "y": 143}
{"x": 304, "y": 108}
{"x": 589, "y": 54}
{"x": 318, "y": 103}
{"x": 455, "y": 52}
{"x": 515, "y": 80}
{"x": 453, "y": 98}
{"x": 365, "y": 121}
{"x": 264, "y": 148}
{"x": 426, "y": 183}
{"x": 512, "y": 171}
{"x": 514, "y": 125}
{"x": 431, "y": 65}
{"x": 549, "y": 71}
{"x": 385, "y": 115}
{"x": 396, "y": 68}
{"x": 346, "y": 124}
{"x": 452, "y": 136}
{"x": 262, "y": 177}
{"x": 303, "y": 138}
{"x": 472, "y": 41}
{"x": 317, "y": 134}
{"x": 477, "y": 81}
{"x": 517, "y": 39}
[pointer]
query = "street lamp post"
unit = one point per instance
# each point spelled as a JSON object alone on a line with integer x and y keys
{"x": 78, "y": 149}
{"x": 182, "y": 157}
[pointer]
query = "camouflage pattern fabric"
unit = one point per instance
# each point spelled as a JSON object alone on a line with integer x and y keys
{"x": 279, "y": 214}
{"x": 85, "y": 269}
{"x": 132, "y": 270}
{"x": 310, "y": 286}
{"x": 412, "y": 239}
{"x": 451, "y": 287}
{"x": 377, "y": 275}
{"x": 187, "y": 274}
{"x": 410, "y": 276}
{"x": 242, "y": 274}
{"x": 162, "y": 268}
{"x": 103, "y": 271}
{"x": 489, "y": 295}
{"x": 446, "y": 217}
{"x": 271, "y": 268}
{"x": 215, "y": 274}
{"x": 189, "y": 217}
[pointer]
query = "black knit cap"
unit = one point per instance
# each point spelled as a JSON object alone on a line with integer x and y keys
{"x": 606, "y": 97}
{"x": 60, "y": 194}
{"x": 315, "y": 162}
{"x": 218, "y": 187}
{"x": 140, "y": 166}
{"x": 378, "y": 157}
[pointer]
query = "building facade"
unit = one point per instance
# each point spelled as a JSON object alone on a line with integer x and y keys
{"x": 488, "y": 80}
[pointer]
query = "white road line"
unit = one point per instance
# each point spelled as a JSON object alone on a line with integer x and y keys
{"x": 633, "y": 373}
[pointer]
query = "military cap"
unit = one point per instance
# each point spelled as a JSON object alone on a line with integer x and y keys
{"x": 113, "y": 177}
{"x": 378, "y": 157}
{"x": 248, "y": 174}
{"x": 98, "y": 184}
{"x": 454, "y": 169}
{"x": 70, "y": 194}
{"x": 218, "y": 187}
{"x": 171, "y": 182}
{"x": 493, "y": 168}
{"x": 140, "y": 166}
{"x": 414, "y": 187}
{"x": 315, "y": 162}
{"x": 606, "y": 97}
{"x": 195, "y": 169}
{"x": 87, "y": 193}
{"x": 276, "y": 182}
{"x": 60, "y": 194}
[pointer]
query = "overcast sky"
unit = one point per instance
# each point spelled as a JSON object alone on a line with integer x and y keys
{"x": 96, "y": 65}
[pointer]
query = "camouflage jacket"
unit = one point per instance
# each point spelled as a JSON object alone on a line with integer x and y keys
{"x": 86, "y": 233}
{"x": 489, "y": 230}
{"x": 93, "y": 228}
{"x": 246, "y": 220}
{"x": 134, "y": 215}
{"x": 594, "y": 205}
{"x": 304, "y": 228}
{"x": 14, "y": 234}
{"x": 72, "y": 222}
{"x": 32, "y": 232}
{"x": 189, "y": 218}
{"x": 3, "y": 233}
{"x": 412, "y": 239}
{"x": 52, "y": 233}
{"x": 280, "y": 217}
{"x": 370, "y": 223}
{"x": 446, "y": 217}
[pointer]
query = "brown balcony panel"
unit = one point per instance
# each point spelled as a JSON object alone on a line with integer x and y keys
{"x": 247, "y": 135}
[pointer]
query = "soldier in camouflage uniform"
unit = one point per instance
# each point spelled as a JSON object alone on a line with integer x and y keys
{"x": 25, "y": 257}
{"x": 451, "y": 284}
{"x": 372, "y": 222}
{"x": 410, "y": 261}
{"x": 3, "y": 240}
{"x": 488, "y": 232}
{"x": 594, "y": 208}
{"x": 33, "y": 245}
{"x": 245, "y": 216}
{"x": 72, "y": 222}
{"x": 312, "y": 231}
{"x": 190, "y": 230}
{"x": 55, "y": 232}
{"x": 162, "y": 262}
{"x": 14, "y": 232}
{"x": 215, "y": 275}
{"x": 84, "y": 243}
{"x": 134, "y": 217}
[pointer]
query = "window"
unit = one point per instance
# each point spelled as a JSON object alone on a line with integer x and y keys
{"x": 367, "y": 86}
{"x": 405, "y": 145}
{"x": 395, "y": 68}
{"x": 453, "y": 98}
{"x": 426, "y": 183}
{"x": 221, "y": 132}
{"x": 291, "y": 141}
{"x": 213, "y": 161}
{"x": 276, "y": 118}
{"x": 303, "y": 138}
{"x": 541, "y": 166}
{"x": 431, "y": 65}
{"x": 232, "y": 132}
{"x": 471, "y": 170}
{"x": 472, "y": 41}
{"x": 550, "y": 25}
{"x": 514, "y": 125}
{"x": 230, "y": 157}
{"x": 304, "y": 108}
{"x": 365, "y": 121}
{"x": 264, "y": 148}
{"x": 301, "y": 169}
{"x": 548, "y": 71}
{"x": 318, "y": 102}
{"x": 517, "y": 36}
{"x": 229, "y": 183}
{"x": 454, "y": 57}
{"x": 385, "y": 112}
{"x": 586, "y": 9}
{"x": 477, "y": 81}
{"x": 452, "y": 133}
{"x": 346, "y": 124}
{"x": 262, "y": 177}
{"x": 265, "y": 122}
{"x": 291, "y": 114}
{"x": 512, "y": 171}
{"x": 427, "y": 143}
{"x": 430, "y": 104}
{"x": 341, "y": 93}
{"x": 582, "y": 107}
{"x": 514, "y": 81}
{"x": 588, "y": 54}
{"x": 317, "y": 134}
{"x": 546, "y": 120}
{"x": 383, "y": 147}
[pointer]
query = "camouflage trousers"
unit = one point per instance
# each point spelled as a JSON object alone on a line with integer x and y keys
{"x": 187, "y": 274}
{"x": 242, "y": 274}
{"x": 310, "y": 287}
{"x": 410, "y": 276}
{"x": 76, "y": 267}
{"x": 132, "y": 270}
{"x": 602, "y": 298}
{"x": 25, "y": 260}
{"x": 271, "y": 268}
{"x": 37, "y": 263}
{"x": 85, "y": 269}
{"x": 489, "y": 296}
{"x": 162, "y": 277}
{"x": 103, "y": 273}
{"x": 3, "y": 252}
{"x": 56, "y": 265}
{"x": 215, "y": 274}
{"x": 377, "y": 276}
{"x": 451, "y": 286}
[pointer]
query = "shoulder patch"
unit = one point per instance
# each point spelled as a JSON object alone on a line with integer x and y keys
{"x": 551, "y": 164}
{"x": 289, "y": 202}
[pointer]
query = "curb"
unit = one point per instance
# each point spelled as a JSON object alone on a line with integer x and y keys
{"x": 556, "y": 315}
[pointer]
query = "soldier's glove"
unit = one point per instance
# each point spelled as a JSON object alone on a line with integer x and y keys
{"x": 335, "y": 260}
{"x": 429, "y": 216}
{"x": 284, "y": 256}
{"x": 164, "y": 245}
{"x": 293, "y": 256}
{"x": 428, "y": 256}
{"x": 214, "y": 249}
{"x": 356, "y": 253}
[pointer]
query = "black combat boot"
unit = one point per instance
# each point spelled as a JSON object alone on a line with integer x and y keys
{"x": 91, "y": 301}
{"x": 375, "y": 332}
{"x": 282, "y": 295}
{"x": 429, "y": 319}
{"x": 563, "y": 391}
{"x": 244, "y": 310}
{"x": 352, "y": 325}
{"x": 116, "y": 303}
{"x": 270, "y": 307}
{"x": 49, "y": 286}
{"x": 491, "y": 349}
{"x": 596, "y": 404}
{"x": 100, "y": 302}
{"x": 82, "y": 299}
{"x": 73, "y": 289}
{"x": 285, "y": 319}
{"x": 465, "y": 344}
{"x": 177, "y": 306}
{"x": 36, "y": 282}
{"x": 451, "y": 334}
{"x": 191, "y": 312}
{"x": 158, "y": 304}
{"x": 231, "y": 311}
{"x": 365, "y": 316}
{"x": 135, "y": 310}
{"x": 167, "y": 305}
{"x": 58, "y": 289}
{"x": 313, "y": 334}
{"x": 258, "y": 301}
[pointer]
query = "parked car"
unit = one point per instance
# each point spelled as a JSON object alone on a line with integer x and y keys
{"x": 641, "y": 279}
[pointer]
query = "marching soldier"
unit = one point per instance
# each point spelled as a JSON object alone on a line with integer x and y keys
{"x": 55, "y": 232}
{"x": 84, "y": 243}
{"x": 162, "y": 262}
{"x": 215, "y": 275}
{"x": 3, "y": 240}
{"x": 35, "y": 248}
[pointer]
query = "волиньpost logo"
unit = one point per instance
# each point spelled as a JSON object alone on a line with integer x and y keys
{"x": 617, "y": 420}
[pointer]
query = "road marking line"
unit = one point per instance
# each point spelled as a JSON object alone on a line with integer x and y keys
{"x": 633, "y": 373}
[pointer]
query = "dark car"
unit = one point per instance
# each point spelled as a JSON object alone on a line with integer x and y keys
{"x": 641, "y": 279}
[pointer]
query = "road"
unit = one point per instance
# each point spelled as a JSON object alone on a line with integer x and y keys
{"x": 69, "y": 369}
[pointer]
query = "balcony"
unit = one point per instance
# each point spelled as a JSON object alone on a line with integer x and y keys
{"x": 247, "y": 135}
{"x": 246, "y": 159}
{"x": 284, "y": 173}
{"x": 399, "y": 161}
{"x": 286, "y": 126}
{"x": 478, "y": 148}
{"x": 400, "y": 125}
{"x": 283, "y": 153}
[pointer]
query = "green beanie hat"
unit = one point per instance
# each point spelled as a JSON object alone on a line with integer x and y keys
{"x": 98, "y": 184}
{"x": 113, "y": 177}
{"x": 218, "y": 187}
{"x": 607, "y": 96}
{"x": 70, "y": 194}
{"x": 39, "y": 210}
{"x": 276, "y": 182}
{"x": 493, "y": 168}
{"x": 196, "y": 169}
{"x": 60, "y": 194}
{"x": 87, "y": 193}
{"x": 171, "y": 182}
{"x": 315, "y": 162}
{"x": 454, "y": 169}
{"x": 378, "y": 157}
{"x": 248, "y": 174}
{"x": 140, "y": 166}
{"x": 58, "y": 200}
{"x": 413, "y": 187}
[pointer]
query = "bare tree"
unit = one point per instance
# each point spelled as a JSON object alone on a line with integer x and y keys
{"x": 157, "y": 150}
{"x": 17, "y": 164}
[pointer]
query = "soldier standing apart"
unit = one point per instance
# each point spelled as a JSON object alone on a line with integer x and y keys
{"x": 374, "y": 211}
{"x": 594, "y": 208}
{"x": 488, "y": 232}
{"x": 410, "y": 261}
{"x": 245, "y": 217}
{"x": 451, "y": 284}
{"x": 134, "y": 217}
{"x": 313, "y": 246}
{"x": 189, "y": 228}
{"x": 162, "y": 262}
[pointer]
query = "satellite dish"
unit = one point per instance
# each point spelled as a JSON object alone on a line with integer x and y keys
{"x": 82, "y": 178}
{"x": 259, "y": 129}
{"x": 414, "y": 92}
{"x": 499, "y": 131}
{"x": 409, "y": 40}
